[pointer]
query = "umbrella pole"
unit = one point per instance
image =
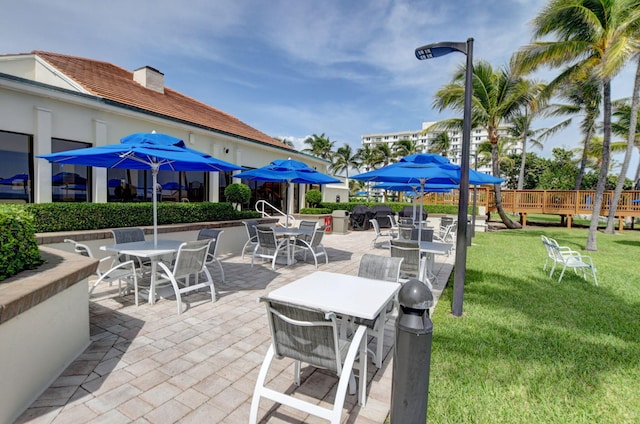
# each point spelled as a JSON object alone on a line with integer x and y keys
{"x": 154, "y": 174}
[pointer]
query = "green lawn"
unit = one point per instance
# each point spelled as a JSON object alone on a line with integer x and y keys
{"x": 532, "y": 350}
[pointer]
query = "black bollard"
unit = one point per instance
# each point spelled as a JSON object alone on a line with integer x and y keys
{"x": 412, "y": 355}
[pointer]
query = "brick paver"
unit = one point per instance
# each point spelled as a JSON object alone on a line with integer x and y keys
{"x": 147, "y": 364}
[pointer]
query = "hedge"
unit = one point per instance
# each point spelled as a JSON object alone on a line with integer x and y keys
{"x": 18, "y": 246}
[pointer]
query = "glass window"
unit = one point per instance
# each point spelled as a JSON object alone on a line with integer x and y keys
{"x": 16, "y": 153}
{"x": 131, "y": 185}
{"x": 69, "y": 183}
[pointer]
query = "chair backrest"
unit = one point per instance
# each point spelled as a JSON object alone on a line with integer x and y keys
{"x": 307, "y": 225}
{"x": 213, "y": 234}
{"x": 304, "y": 334}
{"x": 376, "y": 227}
{"x": 251, "y": 225}
{"x": 266, "y": 237}
{"x": 127, "y": 235}
{"x": 378, "y": 267}
{"x": 191, "y": 258}
{"x": 393, "y": 220}
{"x": 405, "y": 221}
{"x": 80, "y": 248}
{"x": 410, "y": 251}
{"x": 318, "y": 234}
{"x": 427, "y": 234}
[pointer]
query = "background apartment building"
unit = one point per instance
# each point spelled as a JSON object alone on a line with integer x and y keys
{"x": 425, "y": 140}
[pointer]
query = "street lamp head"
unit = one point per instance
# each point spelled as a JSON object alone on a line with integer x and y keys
{"x": 442, "y": 48}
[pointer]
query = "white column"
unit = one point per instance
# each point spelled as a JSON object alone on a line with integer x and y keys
{"x": 237, "y": 159}
{"x": 214, "y": 177}
{"x": 42, "y": 146}
{"x": 99, "y": 186}
{"x": 302, "y": 192}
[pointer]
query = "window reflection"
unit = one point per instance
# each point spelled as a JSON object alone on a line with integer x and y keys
{"x": 69, "y": 183}
{"x": 15, "y": 171}
{"x": 130, "y": 185}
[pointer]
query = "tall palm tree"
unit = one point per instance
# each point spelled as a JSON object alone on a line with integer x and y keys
{"x": 594, "y": 152}
{"x": 441, "y": 144}
{"x": 580, "y": 35}
{"x": 344, "y": 159}
{"x": 319, "y": 145}
{"x": 406, "y": 147}
{"x": 622, "y": 123}
{"x": 631, "y": 139}
{"x": 497, "y": 96}
{"x": 368, "y": 158}
{"x": 384, "y": 153}
{"x": 520, "y": 130}
{"x": 583, "y": 94}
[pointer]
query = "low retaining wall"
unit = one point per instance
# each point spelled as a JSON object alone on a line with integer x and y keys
{"x": 44, "y": 326}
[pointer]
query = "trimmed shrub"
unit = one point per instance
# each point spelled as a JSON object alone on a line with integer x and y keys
{"x": 313, "y": 198}
{"x": 18, "y": 247}
{"x": 237, "y": 193}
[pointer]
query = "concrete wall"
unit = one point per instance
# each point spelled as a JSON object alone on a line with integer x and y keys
{"x": 38, "y": 345}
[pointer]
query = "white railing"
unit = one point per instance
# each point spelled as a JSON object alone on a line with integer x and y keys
{"x": 267, "y": 210}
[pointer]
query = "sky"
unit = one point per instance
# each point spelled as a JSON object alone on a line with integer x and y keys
{"x": 292, "y": 68}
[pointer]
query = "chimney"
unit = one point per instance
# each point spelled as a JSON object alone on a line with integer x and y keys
{"x": 150, "y": 78}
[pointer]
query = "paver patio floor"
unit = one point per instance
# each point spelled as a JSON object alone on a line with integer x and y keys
{"x": 147, "y": 364}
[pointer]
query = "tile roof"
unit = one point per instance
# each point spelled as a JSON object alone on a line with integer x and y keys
{"x": 113, "y": 83}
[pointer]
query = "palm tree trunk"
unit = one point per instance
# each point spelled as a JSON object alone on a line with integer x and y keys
{"x": 604, "y": 166}
{"x": 633, "y": 122}
{"x": 496, "y": 190}
{"x": 524, "y": 151}
{"x": 583, "y": 160}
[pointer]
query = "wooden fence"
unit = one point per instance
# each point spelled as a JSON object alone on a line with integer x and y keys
{"x": 566, "y": 203}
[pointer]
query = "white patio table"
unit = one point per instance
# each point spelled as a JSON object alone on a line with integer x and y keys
{"x": 430, "y": 249}
{"x": 291, "y": 234}
{"x": 345, "y": 295}
{"x": 146, "y": 249}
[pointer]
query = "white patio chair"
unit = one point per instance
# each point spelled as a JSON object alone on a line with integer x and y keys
{"x": 379, "y": 233}
{"x": 214, "y": 235}
{"x": 129, "y": 235}
{"x": 308, "y": 226}
{"x": 311, "y": 336}
{"x": 190, "y": 262}
{"x": 569, "y": 258}
{"x": 252, "y": 240}
{"x": 550, "y": 253}
{"x": 121, "y": 271}
{"x": 394, "y": 229}
{"x": 313, "y": 246}
{"x": 268, "y": 246}
{"x": 383, "y": 268}
{"x": 414, "y": 264}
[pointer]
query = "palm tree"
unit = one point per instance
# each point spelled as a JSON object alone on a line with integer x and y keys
{"x": 583, "y": 93}
{"x": 319, "y": 145}
{"x": 368, "y": 158}
{"x": 594, "y": 152}
{"x": 343, "y": 159}
{"x": 384, "y": 153}
{"x": 497, "y": 96}
{"x": 622, "y": 113}
{"x": 589, "y": 34}
{"x": 406, "y": 147}
{"x": 441, "y": 144}
{"x": 631, "y": 139}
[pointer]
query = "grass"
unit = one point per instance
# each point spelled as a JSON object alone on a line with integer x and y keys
{"x": 530, "y": 349}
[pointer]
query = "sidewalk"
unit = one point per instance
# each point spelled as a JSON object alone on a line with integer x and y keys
{"x": 147, "y": 364}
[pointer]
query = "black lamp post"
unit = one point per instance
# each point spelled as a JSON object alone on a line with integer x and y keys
{"x": 431, "y": 51}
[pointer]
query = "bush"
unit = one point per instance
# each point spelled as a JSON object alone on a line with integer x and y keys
{"x": 313, "y": 198}
{"x": 315, "y": 211}
{"x": 237, "y": 193}
{"x": 51, "y": 217}
{"x": 18, "y": 246}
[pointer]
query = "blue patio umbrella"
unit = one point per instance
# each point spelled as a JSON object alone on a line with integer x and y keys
{"x": 145, "y": 151}
{"x": 287, "y": 171}
{"x": 423, "y": 168}
{"x": 635, "y": 201}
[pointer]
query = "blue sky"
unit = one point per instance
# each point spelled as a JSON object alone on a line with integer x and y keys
{"x": 290, "y": 68}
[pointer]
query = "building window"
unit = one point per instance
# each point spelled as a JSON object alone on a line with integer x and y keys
{"x": 131, "y": 185}
{"x": 16, "y": 157}
{"x": 69, "y": 183}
